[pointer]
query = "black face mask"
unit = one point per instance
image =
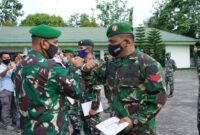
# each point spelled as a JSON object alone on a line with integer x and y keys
{"x": 115, "y": 50}
{"x": 6, "y": 62}
{"x": 52, "y": 50}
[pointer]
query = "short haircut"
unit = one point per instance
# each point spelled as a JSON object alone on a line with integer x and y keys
{"x": 2, "y": 53}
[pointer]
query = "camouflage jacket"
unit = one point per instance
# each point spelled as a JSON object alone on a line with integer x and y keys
{"x": 135, "y": 88}
{"x": 170, "y": 67}
{"x": 42, "y": 87}
{"x": 91, "y": 92}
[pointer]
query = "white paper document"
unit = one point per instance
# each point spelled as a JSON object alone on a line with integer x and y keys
{"x": 111, "y": 126}
{"x": 87, "y": 106}
{"x": 71, "y": 100}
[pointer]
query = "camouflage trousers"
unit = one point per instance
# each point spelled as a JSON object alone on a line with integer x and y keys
{"x": 89, "y": 125}
{"x": 74, "y": 113}
{"x": 169, "y": 80}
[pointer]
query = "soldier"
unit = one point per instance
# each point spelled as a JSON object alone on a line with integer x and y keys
{"x": 198, "y": 70}
{"x": 74, "y": 110}
{"x": 42, "y": 86}
{"x": 134, "y": 80}
{"x": 92, "y": 92}
{"x": 107, "y": 57}
{"x": 170, "y": 68}
{"x": 68, "y": 54}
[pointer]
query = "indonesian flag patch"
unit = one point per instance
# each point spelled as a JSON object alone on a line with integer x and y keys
{"x": 114, "y": 28}
{"x": 154, "y": 77}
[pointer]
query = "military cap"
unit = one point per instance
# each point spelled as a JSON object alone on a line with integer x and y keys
{"x": 68, "y": 50}
{"x": 168, "y": 54}
{"x": 86, "y": 42}
{"x": 45, "y": 31}
{"x": 119, "y": 28}
{"x": 197, "y": 44}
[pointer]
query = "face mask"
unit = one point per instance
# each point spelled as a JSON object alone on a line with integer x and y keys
{"x": 82, "y": 53}
{"x": 65, "y": 60}
{"x": 6, "y": 62}
{"x": 115, "y": 50}
{"x": 52, "y": 50}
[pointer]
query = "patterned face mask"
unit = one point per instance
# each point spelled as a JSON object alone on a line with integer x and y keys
{"x": 115, "y": 50}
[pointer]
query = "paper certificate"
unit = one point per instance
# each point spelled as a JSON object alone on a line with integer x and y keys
{"x": 87, "y": 106}
{"x": 111, "y": 126}
{"x": 71, "y": 100}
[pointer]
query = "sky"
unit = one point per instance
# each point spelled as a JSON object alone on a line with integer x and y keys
{"x": 143, "y": 9}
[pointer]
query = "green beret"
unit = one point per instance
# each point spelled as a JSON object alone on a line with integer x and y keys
{"x": 119, "y": 28}
{"x": 86, "y": 42}
{"x": 45, "y": 31}
{"x": 168, "y": 54}
{"x": 68, "y": 50}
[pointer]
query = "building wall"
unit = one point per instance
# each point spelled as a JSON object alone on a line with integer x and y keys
{"x": 180, "y": 54}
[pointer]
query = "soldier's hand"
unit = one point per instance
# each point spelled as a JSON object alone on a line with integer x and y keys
{"x": 90, "y": 65}
{"x": 11, "y": 65}
{"x": 77, "y": 61}
{"x": 92, "y": 112}
{"x": 128, "y": 120}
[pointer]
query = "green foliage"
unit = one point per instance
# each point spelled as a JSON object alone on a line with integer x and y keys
{"x": 140, "y": 36}
{"x": 81, "y": 20}
{"x": 155, "y": 47}
{"x": 179, "y": 16}
{"x": 41, "y": 18}
{"x": 9, "y": 11}
{"x": 114, "y": 11}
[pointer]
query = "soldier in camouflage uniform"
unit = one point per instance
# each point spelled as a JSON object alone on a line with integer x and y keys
{"x": 170, "y": 68}
{"x": 74, "y": 110}
{"x": 68, "y": 55}
{"x": 92, "y": 92}
{"x": 134, "y": 80}
{"x": 42, "y": 86}
{"x": 198, "y": 71}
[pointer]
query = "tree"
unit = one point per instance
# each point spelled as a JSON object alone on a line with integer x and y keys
{"x": 179, "y": 16}
{"x": 41, "y": 18}
{"x": 156, "y": 47}
{"x": 74, "y": 20}
{"x": 81, "y": 20}
{"x": 141, "y": 39}
{"x": 113, "y": 11}
{"x": 140, "y": 35}
{"x": 9, "y": 11}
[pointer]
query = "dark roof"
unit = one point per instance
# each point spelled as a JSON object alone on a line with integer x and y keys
{"x": 69, "y": 34}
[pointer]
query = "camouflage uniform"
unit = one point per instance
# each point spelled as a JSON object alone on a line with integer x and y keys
{"x": 136, "y": 89}
{"x": 170, "y": 67}
{"x": 74, "y": 111}
{"x": 91, "y": 93}
{"x": 42, "y": 87}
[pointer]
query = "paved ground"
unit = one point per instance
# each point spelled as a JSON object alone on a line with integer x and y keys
{"x": 178, "y": 117}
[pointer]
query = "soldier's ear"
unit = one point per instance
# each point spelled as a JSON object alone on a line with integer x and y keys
{"x": 44, "y": 44}
{"x": 126, "y": 43}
